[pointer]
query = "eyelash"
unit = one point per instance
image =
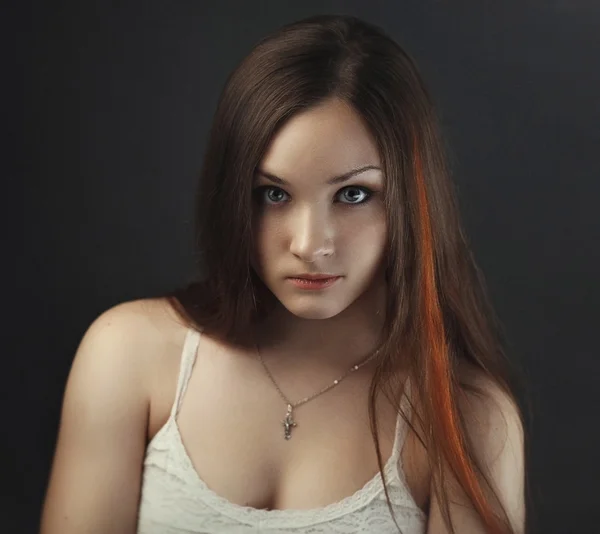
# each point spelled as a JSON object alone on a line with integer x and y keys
{"x": 258, "y": 192}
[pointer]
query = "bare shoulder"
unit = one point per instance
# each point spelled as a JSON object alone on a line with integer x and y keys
{"x": 150, "y": 316}
{"x": 102, "y": 434}
{"x": 483, "y": 391}
{"x": 144, "y": 326}
{"x": 159, "y": 337}
{"x": 494, "y": 429}
{"x": 492, "y": 417}
{"x": 133, "y": 348}
{"x": 121, "y": 354}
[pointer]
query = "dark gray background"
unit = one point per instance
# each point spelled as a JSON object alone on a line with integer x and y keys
{"x": 106, "y": 116}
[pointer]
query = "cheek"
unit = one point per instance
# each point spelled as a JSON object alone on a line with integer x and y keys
{"x": 363, "y": 237}
{"x": 266, "y": 236}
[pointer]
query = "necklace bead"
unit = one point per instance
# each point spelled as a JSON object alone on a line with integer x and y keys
{"x": 288, "y": 422}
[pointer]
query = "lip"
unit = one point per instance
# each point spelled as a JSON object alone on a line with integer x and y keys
{"x": 314, "y": 283}
{"x": 308, "y": 276}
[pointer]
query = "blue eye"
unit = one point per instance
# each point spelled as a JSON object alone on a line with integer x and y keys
{"x": 272, "y": 195}
{"x": 268, "y": 194}
{"x": 361, "y": 190}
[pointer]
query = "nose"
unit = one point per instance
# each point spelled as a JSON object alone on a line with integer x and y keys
{"x": 312, "y": 234}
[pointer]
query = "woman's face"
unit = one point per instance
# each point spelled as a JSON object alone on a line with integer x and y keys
{"x": 304, "y": 222}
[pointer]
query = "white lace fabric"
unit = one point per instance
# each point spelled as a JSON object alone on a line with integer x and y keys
{"x": 175, "y": 500}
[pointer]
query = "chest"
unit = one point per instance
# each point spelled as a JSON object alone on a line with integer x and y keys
{"x": 231, "y": 423}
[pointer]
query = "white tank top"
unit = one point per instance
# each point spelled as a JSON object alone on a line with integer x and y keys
{"x": 175, "y": 500}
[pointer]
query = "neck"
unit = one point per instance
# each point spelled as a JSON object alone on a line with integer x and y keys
{"x": 338, "y": 342}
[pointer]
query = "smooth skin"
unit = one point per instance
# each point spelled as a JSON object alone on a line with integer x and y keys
{"x": 122, "y": 382}
{"x": 95, "y": 479}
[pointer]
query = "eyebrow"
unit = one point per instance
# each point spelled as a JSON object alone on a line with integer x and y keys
{"x": 335, "y": 180}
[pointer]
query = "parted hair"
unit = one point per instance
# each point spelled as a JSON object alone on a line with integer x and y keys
{"x": 439, "y": 314}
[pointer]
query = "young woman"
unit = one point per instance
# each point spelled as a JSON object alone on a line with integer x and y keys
{"x": 335, "y": 367}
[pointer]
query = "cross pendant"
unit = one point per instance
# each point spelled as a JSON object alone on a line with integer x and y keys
{"x": 288, "y": 422}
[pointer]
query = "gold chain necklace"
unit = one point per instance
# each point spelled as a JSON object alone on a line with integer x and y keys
{"x": 288, "y": 422}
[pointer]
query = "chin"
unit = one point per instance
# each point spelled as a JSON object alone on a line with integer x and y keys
{"x": 313, "y": 306}
{"x": 313, "y": 312}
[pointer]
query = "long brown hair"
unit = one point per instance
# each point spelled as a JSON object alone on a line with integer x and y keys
{"x": 438, "y": 313}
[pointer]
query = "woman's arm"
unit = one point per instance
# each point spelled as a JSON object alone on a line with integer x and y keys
{"x": 94, "y": 484}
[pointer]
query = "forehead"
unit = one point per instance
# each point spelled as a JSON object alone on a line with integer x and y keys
{"x": 324, "y": 140}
